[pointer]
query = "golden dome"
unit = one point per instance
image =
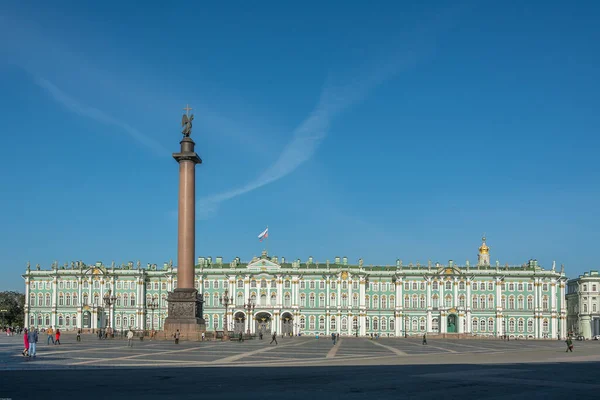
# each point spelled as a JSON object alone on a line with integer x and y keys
{"x": 484, "y": 249}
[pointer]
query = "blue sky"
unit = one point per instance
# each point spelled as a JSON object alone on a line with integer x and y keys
{"x": 396, "y": 130}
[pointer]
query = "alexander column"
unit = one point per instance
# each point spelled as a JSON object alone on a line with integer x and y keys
{"x": 185, "y": 304}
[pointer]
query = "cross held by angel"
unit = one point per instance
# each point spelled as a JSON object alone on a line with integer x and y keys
{"x": 186, "y": 122}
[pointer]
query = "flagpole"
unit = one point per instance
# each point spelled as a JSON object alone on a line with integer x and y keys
{"x": 267, "y": 242}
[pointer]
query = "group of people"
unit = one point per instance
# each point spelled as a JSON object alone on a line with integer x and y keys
{"x": 53, "y": 336}
{"x": 30, "y": 339}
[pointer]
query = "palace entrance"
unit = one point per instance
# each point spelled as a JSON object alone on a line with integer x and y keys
{"x": 87, "y": 320}
{"x": 262, "y": 321}
{"x": 287, "y": 324}
{"x": 239, "y": 323}
{"x": 452, "y": 323}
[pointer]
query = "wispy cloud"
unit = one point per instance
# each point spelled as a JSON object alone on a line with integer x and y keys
{"x": 307, "y": 137}
{"x": 90, "y": 112}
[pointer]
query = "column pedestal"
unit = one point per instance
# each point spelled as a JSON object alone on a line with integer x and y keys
{"x": 185, "y": 314}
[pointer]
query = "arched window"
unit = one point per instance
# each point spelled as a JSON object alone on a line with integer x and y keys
{"x": 263, "y": 299}
{"x": 287, "y": 284}
{"x": 240, "y": 283}
{"x": 511, "y": 325}
{"x": 475, "y": 324}
{"x": 415, "y": 325}
{"x": 206, "y": 299}
{"x": 448, "y": 301}
{"x": 86, "y": 285}
{"x": 530, "y": 302}
{"x": 216, "y": 302}
{"x": 414, "y": 303}
{"x": 375, "y": 301}
{"x": 482, "y": 302}
{"x": 422, "y": 324}
{"x": 60, "y": 320}
{"x": 474, "y": 302}
{"x": 302, "y": 322}
{"x": 287, "y": 302}
{"x": 40, "y": 320}
{"x": 383, "y": 302}
{"x": 67, "y": 321}
{"x": 344, "y": 300}
{"x": 461, "y": 285}
{"x": 215, "y": 321}
{"x": 311, "y": 323}
{"x": 520, "y": 301}
{"x": 32, "y": 320}
{"x": 375, "y": 324}
{"x": 521, "y": 325}
{"x": 132, "y": 301}
{"x": 448, "y": 285}
{"x": 132, "y": 322}
{"x": 355, "y": 324}
{"x": 491, "y": 325}
{"x": 503, "y": 302}
{"x": 511, "y": 302}
{"x": 118, "y": 321}
{"x": 422, "y": 302}
{"x": 344, "y": 324}
{"x": 529, "y": 325}
{"x": 273, "y": 299}
{"x": 354, "y": 300}
{"x": 414, "y": 286}
{"x": 436, "y": 301}
{"x": 240, "y": 299}
{"x": 68, "y": 299}
{"x": 434, "y": 285}
{"x": 332, "y": 325}
{"x": 491, "y": 303}
{"x": 311, "y": 300}
{"x": 482, "y": 324}
{"x": 406, "y": 301}
{"x": 321, "y": 323}
{"x": 435, "y": 325}
{"x": 263, "y": 284}
{"x": 47, "y": 320}
{"x": 48, "y": 300}
{"x": 273, "y": 284}
{"x": 32, "y": 300}
{"x": 332, "y": 300}
{"x": 461, "y": 300}
{"x": 585, "y": 310}
{"x": 40, "y": 300}
{"x": 85, "y": 299}
{"x": 75, "y": 298}
{"x": 383, "y": 324}
{"x": 545, "y": 303}
{"x": 392, "y": 301}
{"x": 302, "y": 300}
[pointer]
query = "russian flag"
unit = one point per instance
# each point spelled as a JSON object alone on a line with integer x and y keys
{"x": 264, "y": 234}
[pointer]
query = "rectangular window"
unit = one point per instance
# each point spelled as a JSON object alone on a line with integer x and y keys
{"x": 333, "y": 285}
{"x": 322, "y": 285}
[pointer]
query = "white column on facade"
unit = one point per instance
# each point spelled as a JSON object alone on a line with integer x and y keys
{"x": 279, "y": 302}
{"x": 53, "y": 313}
{"x": 28, "y": 304}
{"x": 461, "y": 321}
{"x": 361, "y": 293}
{"x": 246, "y": 288}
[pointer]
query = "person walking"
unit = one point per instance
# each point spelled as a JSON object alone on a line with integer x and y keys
{"x": 50, "y": 333}
{"x": 424, "y": 339}
{"x": 176, "y": 336}
{"x": 274, "y": 338}
{"x": 333, "y": 338}
{"x": 32, "y": 338}
{"x": 130, "y": 338}
{"x": 79, "y": 335}
{"x": 57, "y": 340}
{"x": 569, "y": 343}
{"x": 25, "y": 343}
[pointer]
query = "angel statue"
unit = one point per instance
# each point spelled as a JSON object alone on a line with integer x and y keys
{"x": 186, "y": 123}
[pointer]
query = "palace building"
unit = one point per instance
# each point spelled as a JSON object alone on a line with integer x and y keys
{"x": 271, "y": 294}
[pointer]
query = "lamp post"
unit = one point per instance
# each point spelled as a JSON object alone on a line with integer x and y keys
{"x": 152, "y": 306}
{"x": 109, "y": 301}
{"x": 225, "y": 301}
{"x": 406, "y": 326}
{"x": 249, "y": 307}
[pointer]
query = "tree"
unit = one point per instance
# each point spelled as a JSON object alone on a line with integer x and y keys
{"x": 12, "y": 309}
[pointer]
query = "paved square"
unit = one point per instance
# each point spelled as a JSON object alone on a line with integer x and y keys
{"x": 354, "y": 367}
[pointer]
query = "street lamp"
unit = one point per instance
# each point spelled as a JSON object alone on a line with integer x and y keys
{"x": 109, "y": 301}
{"x": 152, "y": 306}
{"x": 249, "y": 307}
{"x": 225, "y": 301}
{"x": 406, "y": 322}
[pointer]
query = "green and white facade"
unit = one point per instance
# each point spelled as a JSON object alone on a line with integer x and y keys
{"x": 312, "y": 298}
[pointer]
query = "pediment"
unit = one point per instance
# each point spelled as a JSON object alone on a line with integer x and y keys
{"x": 263, "y": 265}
